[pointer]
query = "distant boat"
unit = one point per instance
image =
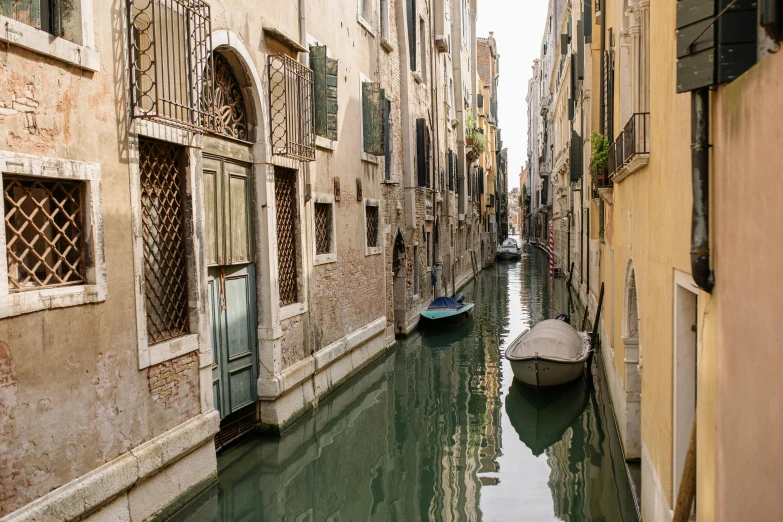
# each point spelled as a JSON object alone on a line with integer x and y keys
{"x": 549, "y": 354}
{"x": 541, "y": 417}
{"x": 509, "y": 249}
{"x": 446, "y": 311}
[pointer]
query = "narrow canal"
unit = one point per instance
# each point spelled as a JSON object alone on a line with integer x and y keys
{"x": 439, "y": 431}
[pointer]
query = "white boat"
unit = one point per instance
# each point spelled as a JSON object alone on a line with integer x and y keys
{"x": 549, "y": 354}
{"x": 509, "y": 249}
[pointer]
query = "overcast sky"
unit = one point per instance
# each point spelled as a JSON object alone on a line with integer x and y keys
{"x": 518, "y": 26}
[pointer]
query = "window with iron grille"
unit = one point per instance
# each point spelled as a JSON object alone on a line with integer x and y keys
{"x": 44, "y": 232}
{"x": 372, "y": 223}
{"x": 163, "y": 234}
{"x": 170, "y": 49}
{"x": 323, "y": 228}
{"x": 287, "y": 237}
{"x": 291, "y": 108}
{"x": 45, "y": 15}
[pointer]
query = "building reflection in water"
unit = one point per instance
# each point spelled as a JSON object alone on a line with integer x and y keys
{"x": 417, "y": 436}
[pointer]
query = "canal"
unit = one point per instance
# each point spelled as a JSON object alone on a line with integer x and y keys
{"x": 438, "y": 431}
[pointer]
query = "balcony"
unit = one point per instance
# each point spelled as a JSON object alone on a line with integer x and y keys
{"x": 631, "y": 150}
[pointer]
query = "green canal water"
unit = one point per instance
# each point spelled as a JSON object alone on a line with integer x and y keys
{"x": 438, "y": 430}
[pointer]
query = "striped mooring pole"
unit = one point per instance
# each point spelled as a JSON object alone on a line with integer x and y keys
{"x": 551, "y": 249}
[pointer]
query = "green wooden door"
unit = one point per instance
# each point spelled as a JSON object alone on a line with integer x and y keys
{"x": 231, "y": 284}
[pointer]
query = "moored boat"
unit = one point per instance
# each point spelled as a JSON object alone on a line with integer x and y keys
{"x": 549, "y": 354}
{"x": 509, "y": 249}
{"x": 446, "y": 311}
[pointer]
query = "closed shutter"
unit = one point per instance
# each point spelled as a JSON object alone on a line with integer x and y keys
{"x": 481, "y": 180}
{"x": 608, "y": 96}
{"x": 580, "y": 51}
{"x": 451, "y": 170}
{"x": 427, "y": 156}
{"x": 572, "y": 95}
{"x": 588, "y": 21}
{"x": 576, "y": 156}
{"x": 325, "y": 89}
{"x": 412, "y": 33}
{"x": 25, "y": 11}
{"x": 480, "y": 102}
{"x": 421, "y": 164}
{"x": 564, "y": 44}
{"x": 387, "y": 138}
{"x": 372, "y": 118}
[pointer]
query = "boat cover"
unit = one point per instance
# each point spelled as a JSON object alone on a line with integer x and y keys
{"x": 444, "y": 303}
{"x": 552, "y": 339}
{"x": 510, "y": 242}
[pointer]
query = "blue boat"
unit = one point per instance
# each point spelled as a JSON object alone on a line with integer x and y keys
{"x": 446, "y": 311}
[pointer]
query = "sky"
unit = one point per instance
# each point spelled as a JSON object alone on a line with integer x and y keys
{"x": 518, "y": 26}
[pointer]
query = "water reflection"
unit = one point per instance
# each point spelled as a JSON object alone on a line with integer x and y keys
{"x": 420, "y": 435}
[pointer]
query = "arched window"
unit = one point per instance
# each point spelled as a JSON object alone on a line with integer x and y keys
{"x": 230, "y": 113}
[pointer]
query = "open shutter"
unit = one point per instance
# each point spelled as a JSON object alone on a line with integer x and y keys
{"x": 576, "y": 156}
{"x": 421, "y": 163}
{"x": 412, "y": 23}
{"x": 572, "y": 95}
{"x": 25, "y": 11}
{"x": 580, "y": 51}
{"x": 372, "y": 118}
{"x": 387, "y": 138}
{"x": 588, "y": 21}
{"x": 325, "y": 80}
{"x": 451, "y": 170}
{"x": 428, "y": 157}
{"x": 608, "y": 96}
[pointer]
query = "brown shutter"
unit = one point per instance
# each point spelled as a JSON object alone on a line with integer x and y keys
{"x": 372, "y": 118}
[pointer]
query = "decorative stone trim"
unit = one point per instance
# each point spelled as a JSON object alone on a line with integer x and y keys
{"x": 638, "y": 161}
{"x": 365, "y": 24}
{"x": 325, "y": 143}
{"x": 90, "y": 492}
{"x": 94, "y": 291}
{"x": 369, "y": 158}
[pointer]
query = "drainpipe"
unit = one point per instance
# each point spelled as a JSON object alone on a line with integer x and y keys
{"x": 407, "y": 145}
{"x": 305, "y": 60}
{"x": 700, "y": 173}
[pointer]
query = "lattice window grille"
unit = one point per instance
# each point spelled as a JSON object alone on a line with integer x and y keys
{"x": 291, "y": 108}
{"x": 285, "y": 201}
{"x": 226, "y": 100}
{"x": 43, "y": 232}
{"x": 163, "y": 234}
{"x": 372, "y": 217}
{"x": 323, "y": 228}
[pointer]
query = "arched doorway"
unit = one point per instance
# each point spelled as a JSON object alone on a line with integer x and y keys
{"x": 399, "y": 272}
{"x": 227, "y": 179}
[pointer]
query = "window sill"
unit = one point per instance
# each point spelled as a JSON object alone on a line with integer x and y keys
{"x": 387, "y": 45}
{"x": 325, "y": 143}
{"x": 369, "y": 158}
{"x": 389, "y": 182}
{"x": 365, "y": 24}
{"x": 168, "y": 350}
{"x": 41, "y": 42}
{"x": 372, "y": 251}
{"x": 323, "y": 259}
{"x": 20, "y": 303}
{"x": 417, "y": 77}
{"x": 292, "y": 310}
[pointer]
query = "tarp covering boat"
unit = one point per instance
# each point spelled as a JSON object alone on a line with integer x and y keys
{"x": 444, "y": 303}
{"x": 553, "y": 339}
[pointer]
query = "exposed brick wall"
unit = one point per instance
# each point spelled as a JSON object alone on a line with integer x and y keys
{"x": 174, "y": 383}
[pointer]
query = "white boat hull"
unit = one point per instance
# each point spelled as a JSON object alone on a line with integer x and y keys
{"x": 542, "y": 373}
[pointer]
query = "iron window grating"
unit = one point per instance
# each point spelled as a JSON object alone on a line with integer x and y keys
{"x": 291, "y": 108}
{"x": 323, "y": 228}
{"x": 372, "y": 217}
{"x": 170, "y": 48}
{"x": 44, "y": 231}
{"x": 285, "y": 201}
{"x": 163, "y": 235}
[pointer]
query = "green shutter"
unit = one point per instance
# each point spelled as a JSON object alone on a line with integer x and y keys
{"x": 325, "y": 89}
{"x": 421, "y": 162}
{"x": 372, "y": 118}
{"x": 588, "y": 21}
{"x": 412, "y": 23}
{"x": 580, "y": 51}
{"x": 25, "y": 11}
{"x": 576, "y": 156}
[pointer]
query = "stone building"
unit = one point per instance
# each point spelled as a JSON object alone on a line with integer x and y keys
{"x": 216, "y": 213}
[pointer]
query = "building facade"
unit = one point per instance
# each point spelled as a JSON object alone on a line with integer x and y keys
{"x": 216, "y": 213}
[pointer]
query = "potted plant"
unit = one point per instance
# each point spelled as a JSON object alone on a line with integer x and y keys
{"x": 474, "y": 137}
{"x": 599, "y": 159}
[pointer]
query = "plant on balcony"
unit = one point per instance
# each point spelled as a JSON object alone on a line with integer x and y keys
{"x": 474, "y": 138}
{"x": 599, "y": 159}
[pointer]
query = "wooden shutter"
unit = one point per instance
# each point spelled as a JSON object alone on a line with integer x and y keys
{"x": 576, "y": 156}
{"x": 325, "y": 79}
{"x": 564, "y": 44}
{"x": 572, "y": 95}
{"x": 387, "y": 138}
{"x": 451, "y": 170}
{"x": 588, "y": 21}
{"x": 580, "y": 51}
{"x": 421, "y": 164}
{"x": 428, "y": 157}
{"x": 608, "y": 96}
{"x": 372, "y": 118}
{"x": 25, "y": 11}
{"x": 227, "y": 212}
{"x": 412, "y": 24}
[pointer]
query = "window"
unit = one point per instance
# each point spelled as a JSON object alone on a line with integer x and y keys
{"x": 385, "y": 32}
{"x": 423, "y": 48}
{"x": 287, "y": 236}
{"x": 411, "y": 5}
{"x": 415, "y": 270}
{"x": 290, "y": 108}
{"x": 387, "y": 136}
{"x": 365, "y": 9}
{"x": 163, "y": 232}
{"x": 372, "y": 224}
{"x": 429, "y": 252}
{"x": 325, "y": 233}
{"x": 423, "y": 153}
{"x": 45, "y": 15}
{"x": 325, "y": 83}
{"x": 44, "y": 233}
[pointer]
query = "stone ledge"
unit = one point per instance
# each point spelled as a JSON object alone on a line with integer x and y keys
{"x": 96, "y": 488}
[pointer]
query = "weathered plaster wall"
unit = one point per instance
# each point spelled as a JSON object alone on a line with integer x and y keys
{"x": 748, "y": 217}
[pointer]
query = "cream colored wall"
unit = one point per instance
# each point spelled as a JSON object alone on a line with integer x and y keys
{"x": 748, "y": 217}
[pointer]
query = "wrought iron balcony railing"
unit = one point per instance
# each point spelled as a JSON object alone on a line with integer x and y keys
{"x": 633, "y": 141}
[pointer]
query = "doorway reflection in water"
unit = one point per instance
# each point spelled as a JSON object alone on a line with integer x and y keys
{"x": 438, "y": 431}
